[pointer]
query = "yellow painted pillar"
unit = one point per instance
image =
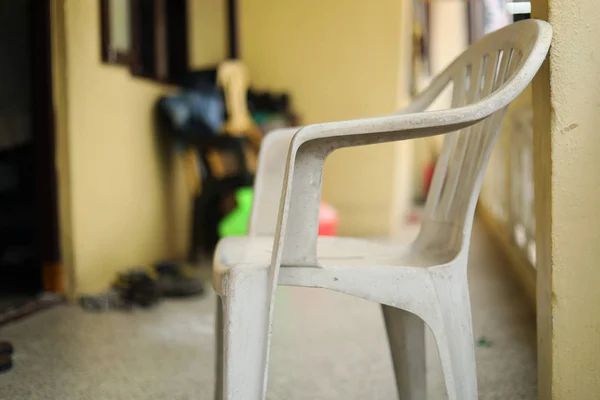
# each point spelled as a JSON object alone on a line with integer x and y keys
{"x": 567, "y": 166}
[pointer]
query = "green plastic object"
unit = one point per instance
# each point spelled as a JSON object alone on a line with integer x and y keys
{"x": 236, "y": 222}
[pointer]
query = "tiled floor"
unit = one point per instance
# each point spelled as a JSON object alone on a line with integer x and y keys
{"x": 326, "y": 346}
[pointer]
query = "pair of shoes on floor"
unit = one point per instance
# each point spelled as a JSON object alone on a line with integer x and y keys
{"x": 178, "y": 280}
{"x": 136, "y": 287}
{"x": 6, "y": 352}
{"x": 145, "y": 287}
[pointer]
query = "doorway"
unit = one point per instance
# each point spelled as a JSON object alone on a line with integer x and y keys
{"x": 29, "y": 241}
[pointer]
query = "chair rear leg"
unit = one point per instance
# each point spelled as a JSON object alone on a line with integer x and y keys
{"x": 246, "y": 337}
{"x": 406, "y": 334}
{"x": 454, "y": 337}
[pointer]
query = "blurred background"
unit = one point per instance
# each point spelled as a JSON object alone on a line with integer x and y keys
{"x": 115, "y": 124}
{"x": 130, "y": 132}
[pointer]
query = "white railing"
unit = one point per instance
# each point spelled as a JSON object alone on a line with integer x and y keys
{"x": 522, "y": 211}
{"x": 507, "y": 192}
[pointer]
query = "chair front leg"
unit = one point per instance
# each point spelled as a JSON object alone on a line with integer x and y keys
{"x": 246, "y": 335}
{"x": 219, "y": 350}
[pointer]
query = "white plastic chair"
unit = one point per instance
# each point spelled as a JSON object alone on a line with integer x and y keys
{"x": 426, "y": 281}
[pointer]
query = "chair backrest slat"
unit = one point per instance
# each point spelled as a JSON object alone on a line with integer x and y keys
{"x": 477, "y": 74}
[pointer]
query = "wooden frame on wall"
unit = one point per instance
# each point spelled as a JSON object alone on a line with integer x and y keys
{"x": 152, "y": 37}
{"x": 111, "y": 52}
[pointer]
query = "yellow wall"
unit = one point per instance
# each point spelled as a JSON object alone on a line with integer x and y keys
{"x": 208, "y": 32}
{"x": 339, "y": 59}
{"x": 127, "y": 196}
{"x": 123, "y": 198}
{"x": 567, "y": 164}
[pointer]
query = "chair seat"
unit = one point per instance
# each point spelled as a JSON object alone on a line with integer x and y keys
{"x": 332, "y": 253}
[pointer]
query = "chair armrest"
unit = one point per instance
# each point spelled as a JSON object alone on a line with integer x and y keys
{"x": 269, "y": 181}
{"x": 297, "y": 224}
{"x": 271, "y": 169}
{"x": 391, "y": 128}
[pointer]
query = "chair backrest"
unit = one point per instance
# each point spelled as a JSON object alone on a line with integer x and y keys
{"x": 492, "y": 64}
{"x": 504, "y": 61}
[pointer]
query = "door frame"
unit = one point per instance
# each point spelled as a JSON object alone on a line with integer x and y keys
{"x": 44, "y": 135}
